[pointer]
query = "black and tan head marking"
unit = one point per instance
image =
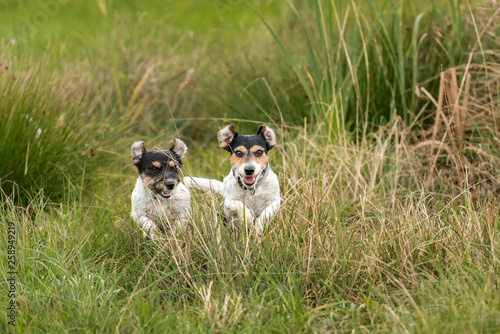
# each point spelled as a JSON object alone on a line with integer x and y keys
{"x": 239, "y": 156}
{"x": 259, "y": 155}
{"x": 248, "y": 153}
{"x": 263, "y": 141}
{"x": 159, "y": 170}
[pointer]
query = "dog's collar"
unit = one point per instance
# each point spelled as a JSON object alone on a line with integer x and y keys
{"x": 252, "y": 189}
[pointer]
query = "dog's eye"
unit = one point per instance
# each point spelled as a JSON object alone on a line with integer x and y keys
{"x": 239, "y": 154}
{"x": 154, "y": 168}
{"x": 259, "y": 153}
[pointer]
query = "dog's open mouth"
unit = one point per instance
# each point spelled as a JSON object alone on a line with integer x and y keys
{"x": 166, "y": 193}
{"x": 249, "y": 180}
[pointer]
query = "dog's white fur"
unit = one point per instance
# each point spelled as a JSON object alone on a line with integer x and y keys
{"x": 145, "y": 205}
{"x": 255, "y": 207}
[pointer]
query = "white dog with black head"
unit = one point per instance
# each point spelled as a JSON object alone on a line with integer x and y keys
{"x": 251, "y": 190}
{"x": 159, "y": 198}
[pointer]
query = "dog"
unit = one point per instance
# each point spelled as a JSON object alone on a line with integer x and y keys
{"x": 159, "y": 198}
{"x": 251, "y": 190}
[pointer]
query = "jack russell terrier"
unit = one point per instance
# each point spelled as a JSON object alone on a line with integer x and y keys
{"x": 159, "y": 198}
{"x": 251, "y": 190}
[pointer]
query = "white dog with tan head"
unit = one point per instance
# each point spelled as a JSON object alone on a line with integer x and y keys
{"x": 251, "y": 189}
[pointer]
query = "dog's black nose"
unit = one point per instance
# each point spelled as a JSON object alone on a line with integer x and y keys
{"x": 170, "y": 185}
{"x": 249, "y": 170}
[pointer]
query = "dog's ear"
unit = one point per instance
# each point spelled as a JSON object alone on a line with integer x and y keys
{"x": 179, "y": 148}
{"x": 269, "y": 136}
{"x": 226, "y": 137}
{"x": 138, "y": 150}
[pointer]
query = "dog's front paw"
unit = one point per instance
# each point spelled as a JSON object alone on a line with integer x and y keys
{"x": 150, "y": 229}
{"x": 258, "y": 226}
{"x": 249, "y": 219}
{"x": 153, "y": 235}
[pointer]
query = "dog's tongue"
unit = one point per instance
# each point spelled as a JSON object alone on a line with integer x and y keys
{"x": 249, "y": 179}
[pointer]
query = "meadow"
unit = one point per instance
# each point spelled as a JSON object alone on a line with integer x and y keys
{"x": 387, "y": 116}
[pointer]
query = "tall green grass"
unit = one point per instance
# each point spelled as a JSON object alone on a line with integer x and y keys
{"x": 360, "y": 63}
{"x": 340, "y": 256}
{"x": 380, "y": 230}
{"x": 44, "y": 135}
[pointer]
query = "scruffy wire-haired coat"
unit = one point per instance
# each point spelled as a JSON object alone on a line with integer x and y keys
{"x": 159, "y": 200}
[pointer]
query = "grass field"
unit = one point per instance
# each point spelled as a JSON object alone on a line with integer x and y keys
{"x": 387, "y": 116}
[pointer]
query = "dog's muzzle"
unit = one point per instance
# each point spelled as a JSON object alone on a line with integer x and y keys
{"x": 249, "y": 181}
{"x": 249, "y": 178}
{"x": 168, "y": 187}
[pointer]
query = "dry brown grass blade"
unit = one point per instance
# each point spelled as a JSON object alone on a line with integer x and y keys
{"x": 463, "y": 112}
{"x": 439, "y": 109}
{"x": 455, "y": 117}
{"x": 437, "y": 124}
